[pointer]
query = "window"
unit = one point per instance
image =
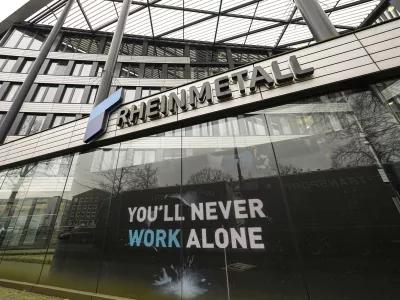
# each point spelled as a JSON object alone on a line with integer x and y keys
{"x": 78, "y": 44}
{"x": 27, "y": 66}
{"x": 130, "y": 70}
{"x": 162, "y": 50}
{"x": 14, "y": 38}
{"x": 82, "y": 69}
{"x": 7, "y": 64}
{"x": 208, "y": 55}
{"x": 129, "y": 94}
{"x": 31, "y": 124}
{"x": 73, "y": 95}
{"x": 203, "y": 72}
{"x": 26, "y": 39}
{"x": 93, "y": 94}
{"x": 100, "y": 70}
{"x": 241, "y": 57}
{"x": 176, "y": 72}
{"x": 130, "y": 48}
{"x": 135, "y": 157}
{"x": 61, "y": 119}
{"x": 12, "y": 91}
{"x": 57, "y": 67}
{"x": 150, "y": 91}
{"x": 45, "y": 94}
{"x": 153, "y": 71}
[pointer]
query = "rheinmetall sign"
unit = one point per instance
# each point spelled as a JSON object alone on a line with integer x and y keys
{"x": 158, "y": 107}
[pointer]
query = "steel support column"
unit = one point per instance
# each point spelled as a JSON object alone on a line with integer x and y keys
{"x": 30, "y": 78}
{"x": 317, "y": 21}
{"x": 108, "y": 73}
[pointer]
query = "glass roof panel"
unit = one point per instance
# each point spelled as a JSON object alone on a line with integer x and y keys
{"x": 139, "y": 23}
{"x": 226, "y": 24}
{"x": 204, "y": 31}
{"x": 272, "y": 23}
{"x": 353, "y": 16}
{"x": 191, "y": 17}
{"x": 165, "y": 19}
{"x": 246, "y": 11}
{"x": 211, "y": 5}
{"x": 265, "y": 38}
{"x": 280, "y": 9}
{"x": 232, "y": 3}
{"x": 295, "y": 33}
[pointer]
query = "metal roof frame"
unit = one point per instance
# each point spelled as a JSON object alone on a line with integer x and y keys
{"x": 275, "y": 24}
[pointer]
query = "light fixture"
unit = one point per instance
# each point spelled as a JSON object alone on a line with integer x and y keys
{"x": 391, "y": 8}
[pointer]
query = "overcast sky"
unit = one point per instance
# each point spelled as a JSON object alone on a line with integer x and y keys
{"x": 9, "y": 6}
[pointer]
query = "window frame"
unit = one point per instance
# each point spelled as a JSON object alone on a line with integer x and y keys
{"x": 63, "y": 117}
{"x": 28, "y": 132}
{"x": 56, "y": 72}
{"x": 81, "y": 66}
{"x": 5, "y": 97}
{"x": 47, "y": 88}
{"x": 130, "y": 69}
{"x": 7, "y": 59}
{"x": 72, "y": 94}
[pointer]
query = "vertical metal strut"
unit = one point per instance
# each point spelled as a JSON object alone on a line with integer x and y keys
{"x": 108, "y": 73}
{"x": 317, "y": 21}
{"x": 30, "y": 78}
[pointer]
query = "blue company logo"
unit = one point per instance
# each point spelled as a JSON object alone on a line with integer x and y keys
{"x": 98, "y": 119}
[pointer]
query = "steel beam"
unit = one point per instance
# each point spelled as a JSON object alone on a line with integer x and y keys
{"x": 317, "y": 21}
{"x": 376, "y": 13}
{"x": 84, "y": 15}
{"x": 30, "y": 78}
{"x": 107, "y": 76}
{"x": 208, "y": 17}
{"x": 286, "y": 27}
{"x": 340, "y": 7}
{"x": 130, "y": 13}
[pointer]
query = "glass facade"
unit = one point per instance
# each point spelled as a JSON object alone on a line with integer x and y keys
{"x": 298, "y": 201}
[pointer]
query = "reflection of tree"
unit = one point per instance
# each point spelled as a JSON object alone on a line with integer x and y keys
{"x": 128, "y": 179}
{"x": 18, "y": 182}
{"x": 289, "y": 169}
{"x": 208, "y": 175}
{"x": 372, "y": 124}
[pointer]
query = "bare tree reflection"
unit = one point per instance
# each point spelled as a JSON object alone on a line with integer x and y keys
{"x": 372, "y": 124}
{"x": 128, "y": 179}
{"x": 209, "y": 175}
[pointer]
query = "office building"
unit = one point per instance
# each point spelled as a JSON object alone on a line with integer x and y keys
{"x": 201, "y": 149}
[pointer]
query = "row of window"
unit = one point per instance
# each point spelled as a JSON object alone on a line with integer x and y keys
{"x": 8, "y": 64}
{"x": 71, "y": 94}
{"x": 33, "y": 39}
{"x": 32, "y": 124}
{"x": 127, "y": 70}
{"x": 26, "y": 39}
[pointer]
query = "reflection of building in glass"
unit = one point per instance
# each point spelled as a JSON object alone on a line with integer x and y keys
{"x": 83, "y": 211}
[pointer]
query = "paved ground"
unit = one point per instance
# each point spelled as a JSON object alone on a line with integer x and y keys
{"x": 10, "y": 294}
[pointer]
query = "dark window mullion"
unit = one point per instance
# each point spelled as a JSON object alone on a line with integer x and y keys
{"x": 20, "y": 39}
{"x": 32, "y": 39}
{"x": 28, "y": 132}
{"x": 3, "y": 65}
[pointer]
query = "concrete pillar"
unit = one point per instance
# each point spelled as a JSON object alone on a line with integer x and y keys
{"x": 23, "y": 91}
{"x": 107, "y": 76}
{"x": 317, "y": 21}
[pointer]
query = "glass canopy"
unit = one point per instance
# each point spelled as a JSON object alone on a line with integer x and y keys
{"x": 268, "y": 23}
